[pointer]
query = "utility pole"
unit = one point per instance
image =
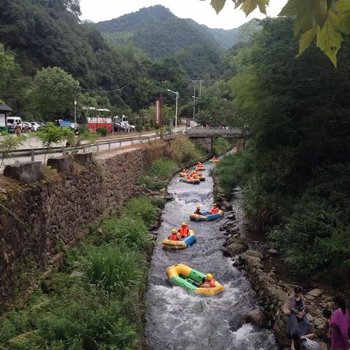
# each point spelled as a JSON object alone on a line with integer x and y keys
{"x": 194, "y": 98}
{"x": 195, "y": 82}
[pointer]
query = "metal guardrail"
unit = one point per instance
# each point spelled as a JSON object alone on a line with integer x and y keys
{"x": 207, "y": 132}
{"x": 96, "y": 147}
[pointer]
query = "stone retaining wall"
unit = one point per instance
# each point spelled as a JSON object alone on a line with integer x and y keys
{"x": 38, "y": 221}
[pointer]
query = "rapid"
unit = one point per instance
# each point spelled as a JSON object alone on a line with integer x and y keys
{"x": 176, "y": 319}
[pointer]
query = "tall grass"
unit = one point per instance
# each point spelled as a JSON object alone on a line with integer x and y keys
{"x": 183, "y": 150}
{"x": 221, "y": 145}
{"x": 95, "y": 303}
{"x": 143, "y": 209}
{"x": 151, "y": 183}
{"x": 233, "y": 170}
{"x": 163, "y": 168}
{"x": 113, "y": 268}
{"x": 129, "y": 231}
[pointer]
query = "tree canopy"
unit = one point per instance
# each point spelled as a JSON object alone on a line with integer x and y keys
{"x": 326, "y": 20}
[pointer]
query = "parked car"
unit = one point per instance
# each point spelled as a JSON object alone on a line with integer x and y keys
{"x": 11, "y": 123}
{"x": 122, "y": 124}
{"x": 35, "y": 126}
{"x": 26, "y": 127}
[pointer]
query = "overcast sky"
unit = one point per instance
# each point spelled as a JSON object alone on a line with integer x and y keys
{"x": 199, "y": 11}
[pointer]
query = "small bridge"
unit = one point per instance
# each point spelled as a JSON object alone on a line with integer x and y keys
{"x": 216, "y": 132}
{"x": 238, "y": 135}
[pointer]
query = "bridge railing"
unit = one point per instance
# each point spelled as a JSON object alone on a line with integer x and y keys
{"x": 207, "y": 132}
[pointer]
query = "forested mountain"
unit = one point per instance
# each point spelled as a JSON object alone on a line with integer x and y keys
{"x": 159, "y": 33}
{"x": 43, "y": 33}
{"x": 152, "y": 50}
{"x": 229, "y": 38}
{"x": 156, "y": 31}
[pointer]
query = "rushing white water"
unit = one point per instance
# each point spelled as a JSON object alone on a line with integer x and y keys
{"x": 177, "y": 319}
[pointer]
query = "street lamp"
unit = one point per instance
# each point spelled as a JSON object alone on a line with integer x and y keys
{"x": 75, "y": 113}
{"x": 176, "y": 102}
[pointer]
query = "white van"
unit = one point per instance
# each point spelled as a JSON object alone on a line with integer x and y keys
{"x": 12, "y": 122}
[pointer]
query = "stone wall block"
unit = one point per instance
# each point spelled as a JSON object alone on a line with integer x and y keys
{"x": 61, "y": 164}
{"x": 25, "y": 172}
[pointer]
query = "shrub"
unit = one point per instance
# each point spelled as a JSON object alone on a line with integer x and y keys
{"x": 221, "y": 145}
{"x": 158, "y": 201}
{"x": 142, "y": 208}
{"x": 233, "y": 170}
{"x": 152, "y": 183}
{"x": 129, "y": 231}
{"x": 102, "y": 131}
{"x": 316, "y": 228}
{"x": 163, "y": 168}
{"x": 183, "y": 150}
{"x": 88, "y": 320}
{"x": 113, "y": 268}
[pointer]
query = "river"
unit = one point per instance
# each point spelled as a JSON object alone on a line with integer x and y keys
{"x": 176, "y": 319}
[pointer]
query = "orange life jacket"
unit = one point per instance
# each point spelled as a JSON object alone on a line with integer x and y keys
{"x": 173, "y": 237}
{"x": 214, "y": 210}
{"x": 210, "y": 283}
{"x": 184, "y": 230}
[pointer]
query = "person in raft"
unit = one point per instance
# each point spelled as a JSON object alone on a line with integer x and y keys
{"x": 174, "y": 236}
{"x": 208, "y": 281}
{"x": 198, "y": 210}
{"x": 184, "y": 230}
{"x": 199, "y": 165}
{"x": 214, "y": 209}
{"x": 213, "y": 158}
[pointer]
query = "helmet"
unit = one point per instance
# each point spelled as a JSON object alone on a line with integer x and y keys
{"x": 198, "y": 205}
{"x": 209, "y": 276}
{"x": 215, "y": 205}
{"x": 173, "y": 230}
{"x": 183, "y": 224}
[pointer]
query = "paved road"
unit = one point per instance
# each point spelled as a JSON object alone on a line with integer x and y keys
{"x": 103, "y": 144}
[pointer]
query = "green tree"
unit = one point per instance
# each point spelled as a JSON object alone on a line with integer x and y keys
{"x": 326, "y": 20}
{"x": 51, "y": 134}
{"x": 53, "y": 93}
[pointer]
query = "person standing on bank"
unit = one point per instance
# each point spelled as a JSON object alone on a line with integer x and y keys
{"x": 297, "y": 324}
{"x": 340, "y": 325}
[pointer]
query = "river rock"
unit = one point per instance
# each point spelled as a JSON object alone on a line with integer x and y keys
{"x": 314, "y": 293}
{"x": 254, "y": 253}
{"x": 272, "y": 251}
{"x": 234, "y": 249}
{"x": 230, "y": 216}
{"x": 256, "y": 317}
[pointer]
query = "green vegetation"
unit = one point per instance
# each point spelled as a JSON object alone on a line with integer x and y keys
{"x": 8, "y": 144}
{"x": 152, "y": 183}
{"x": 158, "y": 174}
{"x": 294, "y": 172}
{"x": 163, "y": 168}
{"x": 52, "y": 94}
{"x": 183, "y": 150}
{"x": 143, "y": 209}
{"x": 102, "y": 131}
{"x": 221, "y": 145}
{"x": 327, "y": 21}
{"x": 51, "y": 134}
{"x": 94, "y": 301}
{"x": 233, "y": 170}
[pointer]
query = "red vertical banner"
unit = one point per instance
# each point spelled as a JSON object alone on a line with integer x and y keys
{"x": 159, "y": 111}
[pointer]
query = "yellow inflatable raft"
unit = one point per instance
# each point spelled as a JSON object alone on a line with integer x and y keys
{"x": 186, "y": 242}
{"x": 189, "y": 279}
